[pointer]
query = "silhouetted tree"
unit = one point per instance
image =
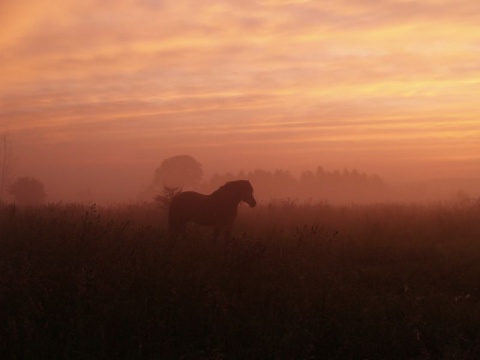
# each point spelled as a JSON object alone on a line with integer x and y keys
{"x": 28, "y": 191}
{"x": 182, "y": 171}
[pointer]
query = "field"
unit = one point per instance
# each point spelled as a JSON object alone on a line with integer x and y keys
{"x": 297, "y": 281}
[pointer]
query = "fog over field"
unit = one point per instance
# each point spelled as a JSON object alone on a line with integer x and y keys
{"x": 317, "y": 184}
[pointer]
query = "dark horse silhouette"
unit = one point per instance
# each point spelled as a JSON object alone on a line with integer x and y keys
{"x": 218, "y": 209}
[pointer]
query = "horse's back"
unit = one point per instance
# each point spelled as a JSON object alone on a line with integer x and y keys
{"x": 186, "y": 205}
{"x": 185, "y": 200}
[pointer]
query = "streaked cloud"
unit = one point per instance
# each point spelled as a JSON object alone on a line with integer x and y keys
{"x": 285, "y": 76}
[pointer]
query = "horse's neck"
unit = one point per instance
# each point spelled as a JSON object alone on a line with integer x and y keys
{"x": 229, "y": 202}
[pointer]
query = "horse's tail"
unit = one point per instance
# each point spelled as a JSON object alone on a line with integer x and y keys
{"x": 172, "y": 223}
{"x": 175, "y": 223}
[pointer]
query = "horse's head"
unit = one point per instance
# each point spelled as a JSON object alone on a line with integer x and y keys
{"x": 239, "y": 190}
{"x": 246, "y": 191}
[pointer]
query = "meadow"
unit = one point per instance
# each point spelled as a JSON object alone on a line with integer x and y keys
{"x": 297, "y": 281}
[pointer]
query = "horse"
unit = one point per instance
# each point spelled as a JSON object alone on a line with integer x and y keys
{"x": 218, "y": 209}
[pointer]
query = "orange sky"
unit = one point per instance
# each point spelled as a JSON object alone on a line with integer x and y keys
{"x": 96, "y": 93}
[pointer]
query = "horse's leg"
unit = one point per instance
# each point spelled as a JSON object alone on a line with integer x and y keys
{"x": 172, "y": 226}
{"x": 216, "y": 232}
{"x": 182, "y": 229}
{"x": 228, "y": 233}
{"x": 177, "y": 228}
{"x": 172, "y": 232}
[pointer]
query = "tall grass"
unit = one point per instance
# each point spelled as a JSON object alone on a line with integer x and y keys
{"x": 309, "y": 281}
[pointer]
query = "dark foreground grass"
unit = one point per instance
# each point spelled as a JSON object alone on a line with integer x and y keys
{"x": 297, "y": 282}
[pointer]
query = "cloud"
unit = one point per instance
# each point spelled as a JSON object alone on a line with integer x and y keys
{"x": 347, "y": 74}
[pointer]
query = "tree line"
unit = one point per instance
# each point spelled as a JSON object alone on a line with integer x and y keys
{"x": 185, "y": 172}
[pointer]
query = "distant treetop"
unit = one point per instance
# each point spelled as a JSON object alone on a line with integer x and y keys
{"x": 28, "y": 191}
{"x": 181, "y": 171}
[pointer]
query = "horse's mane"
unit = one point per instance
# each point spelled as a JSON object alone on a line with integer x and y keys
{"x": 229, "y": 187}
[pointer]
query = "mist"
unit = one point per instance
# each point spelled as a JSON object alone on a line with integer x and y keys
{"x": 131, "y": 183}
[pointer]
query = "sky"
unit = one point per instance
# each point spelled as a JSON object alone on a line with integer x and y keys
{"x": 95, "y": 94}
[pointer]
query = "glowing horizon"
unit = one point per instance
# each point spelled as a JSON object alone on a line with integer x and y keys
{"x": 387, "y": 87}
